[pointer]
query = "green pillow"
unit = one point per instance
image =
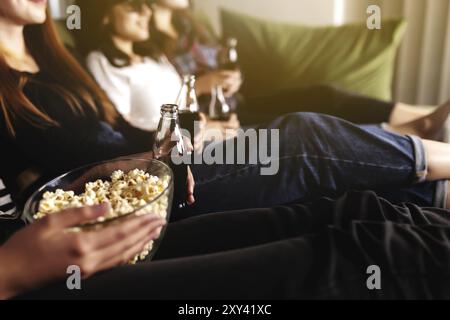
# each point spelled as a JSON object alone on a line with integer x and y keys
{"x": 276, "y": 56}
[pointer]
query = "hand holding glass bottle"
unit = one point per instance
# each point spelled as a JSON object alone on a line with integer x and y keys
{"x": 190, "y": 117}
{"x": 227, "y": 60}
{"x": 172, "y": 148}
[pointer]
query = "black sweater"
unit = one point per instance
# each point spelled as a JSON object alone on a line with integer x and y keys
{"x": 79, "y": 140}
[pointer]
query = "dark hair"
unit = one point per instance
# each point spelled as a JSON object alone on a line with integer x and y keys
{"x": 71, "y": 81}
{"x": 95, "y": 36}
{"x": 188, "y": 27}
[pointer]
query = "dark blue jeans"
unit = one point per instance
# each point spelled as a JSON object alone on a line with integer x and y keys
{"x": 319, "y": 155}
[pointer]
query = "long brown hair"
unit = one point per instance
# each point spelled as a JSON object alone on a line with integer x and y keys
{"x": 69, "y": 80}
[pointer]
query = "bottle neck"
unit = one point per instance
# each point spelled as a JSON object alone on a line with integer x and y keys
{"x": 169, "y": 134}
{"x": 169, "y": 111}
{"x": 168, "y": 122}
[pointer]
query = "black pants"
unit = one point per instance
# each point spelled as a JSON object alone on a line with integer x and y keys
{"x": 319, "y": 251}
{"x": 320, "y": 99}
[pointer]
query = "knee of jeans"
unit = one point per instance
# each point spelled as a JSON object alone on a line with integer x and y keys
{"x": 301, "y": 123}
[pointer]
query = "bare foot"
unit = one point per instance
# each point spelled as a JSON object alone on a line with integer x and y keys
{"x": 427, "y": 127}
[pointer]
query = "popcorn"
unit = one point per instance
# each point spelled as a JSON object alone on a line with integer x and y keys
{"x": 126, "y": 193}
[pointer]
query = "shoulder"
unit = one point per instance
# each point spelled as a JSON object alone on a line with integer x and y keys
{"x": 95, "y": 58}
{"x": 163, "y": 59}
{"x": 96, "y": 55}
{"x": 100, "y": 67}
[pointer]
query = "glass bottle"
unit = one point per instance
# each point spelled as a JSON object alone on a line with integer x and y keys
{"x": 169, "y": 147}
{"x": 219, "y": 109}
{"x": 189, "y": 111}
{"x": 227, "y": 60}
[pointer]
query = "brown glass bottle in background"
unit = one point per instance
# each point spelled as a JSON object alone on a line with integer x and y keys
{"x": 227, "y": 60}
{"x": 188, "y": 107}
{"x": 169, "y": 144}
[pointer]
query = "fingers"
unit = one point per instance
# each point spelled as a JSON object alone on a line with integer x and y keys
{"x": 127, "y": 255}
{"x": 232, "y": 90}
{"x": 229, "y": 74}
{"x": 232, "y": 123}
{"x": 113, "y": 234}
{"x": 190, "y": 187}
{"x": 231, "y": 134}
{"x": 120, "y": 252}
{"x": 199, "y": 138}
{"x": 188, "y": 144}
{"x": 230, "y": 82}
{"x": 228, "y": 79}
{"x": 232, "y": 85}
{"x": 73, "y": 217}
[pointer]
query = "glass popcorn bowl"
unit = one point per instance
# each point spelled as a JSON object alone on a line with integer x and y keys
{"x": 77, "y": 179}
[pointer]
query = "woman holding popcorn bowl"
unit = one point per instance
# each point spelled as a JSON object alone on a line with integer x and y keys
{"x": 211, "y": 256}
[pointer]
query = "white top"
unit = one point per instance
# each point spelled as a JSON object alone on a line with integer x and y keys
{"x": 138, "y": 91}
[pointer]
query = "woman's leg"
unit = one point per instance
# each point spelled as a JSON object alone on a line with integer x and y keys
{"x": 320, "y": 250}
{"x": 404, "y": 113}
{"x": 438, "y": 160}
{"x": 318, "y": 155}
{"x": 320, "y": 99}
{"x": 426, "y": 127}
{"x": 245, "y": 228}
{"x": 402, "y": 118}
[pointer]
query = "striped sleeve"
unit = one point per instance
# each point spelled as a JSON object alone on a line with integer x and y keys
{"x": 8, "y": 209}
